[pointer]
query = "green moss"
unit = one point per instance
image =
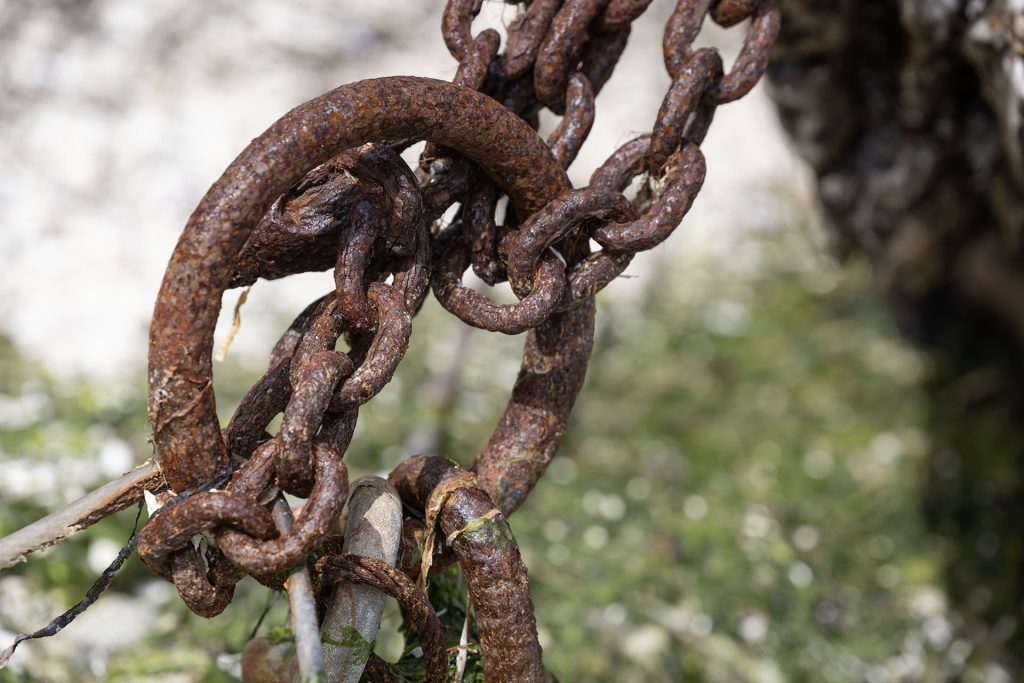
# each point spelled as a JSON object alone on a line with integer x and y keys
{"x": 280, "y": 634}
{"x": 353, "y": 639}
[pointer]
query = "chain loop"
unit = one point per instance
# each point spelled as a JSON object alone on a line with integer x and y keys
{"x": 456, "y": 26}
{"x": 684, "y": 103}
{"x": 752, "y": 61}
{"x": 482, "y": 233}
{"x": 473, "y": 308}
{"x": 525, "y": 35}
{"x": 561, "y": 49}
{"x": 553, "y": 222}
{"x": 313, "y": 383}
{"x": 265, "y": 557}
{"x": 572, "y": 131}
{"x": 728, "y": 13}
{"x": 394, "y": 327}
{"x": 174, "y": 528}
{"x": 677, "y": 190}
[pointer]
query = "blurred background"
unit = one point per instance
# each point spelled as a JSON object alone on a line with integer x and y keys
{"x": 743, "y": 491}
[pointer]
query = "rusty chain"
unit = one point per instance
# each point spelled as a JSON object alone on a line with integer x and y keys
{"x": 325, "y": 187}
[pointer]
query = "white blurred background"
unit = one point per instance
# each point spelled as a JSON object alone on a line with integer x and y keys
{"x": 117, "y": 115}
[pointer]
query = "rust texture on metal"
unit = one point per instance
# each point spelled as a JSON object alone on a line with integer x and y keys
{"x": 545, "y": 292}
{"x": 530, "y": 429}
{"x": 489, "y": 557}
{"x": 181, "y": 407}
{"x": 561, "y": 48}
{"x": 325, "y": 188}
{"x": 565, "y": 140}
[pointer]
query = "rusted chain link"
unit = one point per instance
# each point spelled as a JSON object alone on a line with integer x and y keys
{"x": 325, "y": 188}
{"x": 481, "y": 539}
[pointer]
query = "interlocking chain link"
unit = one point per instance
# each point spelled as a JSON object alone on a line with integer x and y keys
{"x": 325, "y": 188}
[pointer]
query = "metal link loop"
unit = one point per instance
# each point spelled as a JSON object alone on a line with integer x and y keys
{"x": 553, "y": 222}
{"x": 174, "y": 528}
{"x": 473, "y": 308}
{"x": 197, "y": 589}
{"x": 680, "y": 32}
{"x": 456, "y": 26}
{"x": 394, "y": 327}
{"x": 525, "y": 35}
{"x": 752, "y": 61}
{"x": 385, "y": 168}
{"x": 561, "y": 49}
{"x": 311, "y": 395}
{"x": 565, "y": 140}
{"x": 678, "y": 189}
{"x": 266, "y": 557}
{"x": 365, "y": 223}
{"x": 269, "y": 396}
{"x": 684, "y": 100}
{"x": 728, "y": 13}
{"x": 481, "y": 232}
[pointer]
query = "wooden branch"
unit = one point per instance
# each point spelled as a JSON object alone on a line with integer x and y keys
{"x": 350, "y": 626}
{"x": 302, "y": 605}
{"x": 343, "y": 644}
{"x": 107, "y": 500}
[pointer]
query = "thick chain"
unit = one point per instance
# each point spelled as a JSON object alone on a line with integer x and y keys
{"x": 325, "y": 188}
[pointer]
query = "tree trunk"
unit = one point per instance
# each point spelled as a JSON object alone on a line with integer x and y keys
{"x": 911, "y": 112}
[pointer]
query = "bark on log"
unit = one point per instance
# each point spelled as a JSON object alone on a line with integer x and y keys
{"x": 911, "y": 112}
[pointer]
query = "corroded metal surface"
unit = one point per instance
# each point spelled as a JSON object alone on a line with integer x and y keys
{"x": 325, "y": 188}
{"x": 182, "y": 408}
{"x": 489, "y": 557}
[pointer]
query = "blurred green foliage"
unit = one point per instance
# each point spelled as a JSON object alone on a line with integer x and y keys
{"x": 738, "y": 497}
{"x": 974, "y": 490}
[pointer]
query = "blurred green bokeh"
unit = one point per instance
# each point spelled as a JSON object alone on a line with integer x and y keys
{"x": 738, "y": 497}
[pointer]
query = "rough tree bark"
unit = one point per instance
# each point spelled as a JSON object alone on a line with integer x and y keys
{"x": 911, "y": 112}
